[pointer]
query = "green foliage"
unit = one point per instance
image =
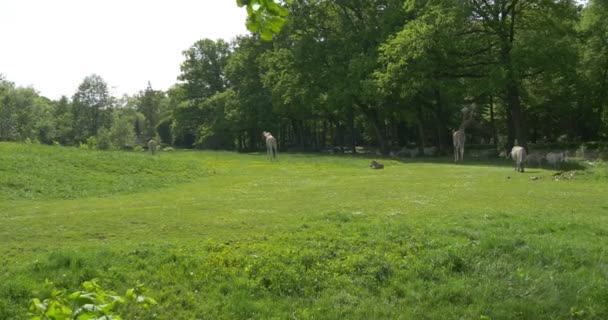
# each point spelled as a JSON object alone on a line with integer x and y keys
{"x": 122, "y": 133}
{"x": 203, "y": 68}
{"x": 203, "y": 76}
{"x": 149, "y": 105}
{"x": 104, "y": 139}
{"x": 384, "y": 74}
{"x": 25, "y": 115}
{"x": 90, "y": 107}
{"x": 91, "y": 143}
{"x": 164, "y": 130}
{"x": 265, "y": 17}
{"x": 216, "y": 131}
{"x": 250, "y": 110}
{"x": 63, "y": 117}
{"x": 93, "y": 302}
{"x": 594, "y": 62}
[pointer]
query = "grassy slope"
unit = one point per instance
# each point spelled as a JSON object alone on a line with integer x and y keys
{"x": 42, "y": 172}
{"x": 325, "y": 237}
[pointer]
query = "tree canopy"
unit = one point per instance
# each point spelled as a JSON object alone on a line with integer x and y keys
{"x": 389, "y": 74}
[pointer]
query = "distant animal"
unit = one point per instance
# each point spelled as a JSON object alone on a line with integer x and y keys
{"x": 152, "y": 146}
{"x": 519, "y": 155}
{"x": 459, "y": 136}
{"x": 376, "y": 165}
{"x": 458, "y": 139}
{"x": 555, "y": 158}
{"x": 271, "y": 146}
{"x": 535, "y": 158}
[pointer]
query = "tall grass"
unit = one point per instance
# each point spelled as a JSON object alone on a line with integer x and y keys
{"x": 320, "y": 237}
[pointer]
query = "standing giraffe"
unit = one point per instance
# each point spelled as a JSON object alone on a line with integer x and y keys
{"x": 459, "y": 136}
{"x": 271, "y": 145}
{"x": 152, "y": 146}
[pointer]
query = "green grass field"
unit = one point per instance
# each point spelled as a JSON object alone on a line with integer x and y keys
{"x": 221, "y": 235}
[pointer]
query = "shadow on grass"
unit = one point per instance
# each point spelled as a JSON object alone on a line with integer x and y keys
{"x": 469, "y": 160}
{"x": 494, "y": 162}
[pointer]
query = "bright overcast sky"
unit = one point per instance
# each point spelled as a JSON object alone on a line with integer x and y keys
{"x": 52, "y": 45}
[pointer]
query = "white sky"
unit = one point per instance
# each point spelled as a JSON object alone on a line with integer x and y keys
{"x": 52, "y": 45}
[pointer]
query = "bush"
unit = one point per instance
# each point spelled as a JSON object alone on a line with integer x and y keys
{"x": 91, "y": 303}
{"x": 92, "y": 143}
{"x": 104, "y": 141}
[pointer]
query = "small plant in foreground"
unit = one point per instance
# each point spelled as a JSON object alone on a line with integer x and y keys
{"x": 93, "y": 302}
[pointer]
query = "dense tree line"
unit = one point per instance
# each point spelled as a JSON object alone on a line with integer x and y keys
{"x": 342, "y": 73}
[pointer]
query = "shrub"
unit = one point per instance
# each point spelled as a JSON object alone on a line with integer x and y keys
{"x": 93, "y": 302}
{"x": 104, "y": 141}
{"x": 92, "y": 142}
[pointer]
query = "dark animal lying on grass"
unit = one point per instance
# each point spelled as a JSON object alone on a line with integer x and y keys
{"x": 376, "y": 165}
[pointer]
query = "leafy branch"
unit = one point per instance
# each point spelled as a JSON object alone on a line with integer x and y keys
{"x": 265, "y": 16}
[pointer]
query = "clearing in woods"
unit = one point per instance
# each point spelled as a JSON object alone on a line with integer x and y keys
{"x": 234, "y": 236}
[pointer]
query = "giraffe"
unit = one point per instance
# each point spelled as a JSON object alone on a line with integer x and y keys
{"x": 271, "y": 146}
{"x": 459, "y": 136}
{"x": 152, "y": 146}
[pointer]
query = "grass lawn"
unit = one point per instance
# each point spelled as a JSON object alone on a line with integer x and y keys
{"x": 221, "y": 235}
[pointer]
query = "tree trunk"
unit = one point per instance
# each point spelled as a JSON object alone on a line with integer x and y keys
{"x": 253, "y": 142}
{"x": 442, "y": 132}
{"x": 493, "y": 122}
{"x": 324, "y": 135}
{"x": 510, "y": 132}
{"x": 297, "y": 130}
{"x": 421, "y": 137}
{"x": 375, "y": 125}
{"x": 517, "y": 115}
{"x": 602, "y": 97}
{"x": 512, "y": 90}
{"x": 339, "y": 138}
{"x": 353, "y": 141}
